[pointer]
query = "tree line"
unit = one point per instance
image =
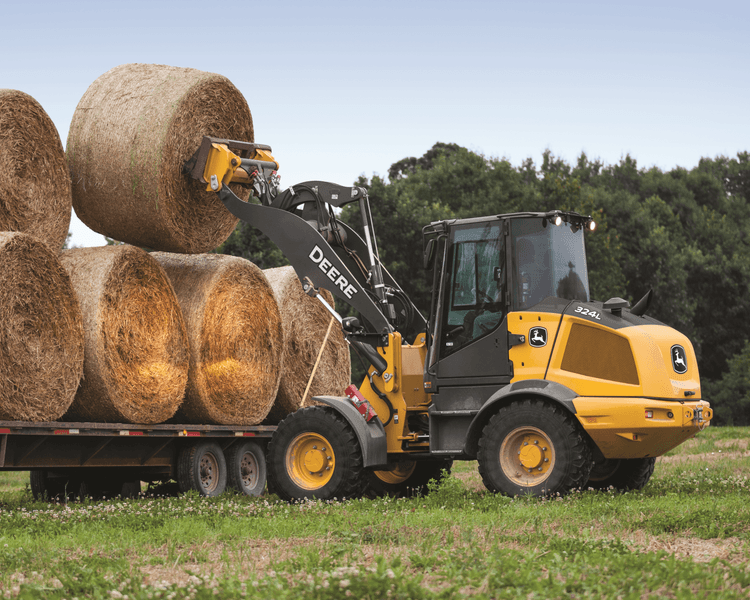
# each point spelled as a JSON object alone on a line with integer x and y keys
{"x": 682, "y": 233}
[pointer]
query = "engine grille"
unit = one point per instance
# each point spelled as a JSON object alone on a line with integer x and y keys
{"x": 598, "y": 353}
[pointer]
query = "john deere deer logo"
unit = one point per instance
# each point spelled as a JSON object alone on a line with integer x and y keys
{"x": 678, "y": 360}
{"x": 538, "y": 337}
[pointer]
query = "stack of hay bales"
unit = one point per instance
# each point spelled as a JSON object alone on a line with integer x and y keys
{"x": 136, "y": 343}
{"x": 236, "y": 337}
{"x": 306, "y": 322}
{"x": 41, "y": 333}
{"x": 35, "y": 192}
{"x": 211, "y": 335}
{"x": 131, "y": 134}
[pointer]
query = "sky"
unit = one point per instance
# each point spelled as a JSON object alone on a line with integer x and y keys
{"x": 343, "y": 89}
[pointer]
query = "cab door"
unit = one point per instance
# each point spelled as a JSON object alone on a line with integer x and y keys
{"x": 473, "y": 333}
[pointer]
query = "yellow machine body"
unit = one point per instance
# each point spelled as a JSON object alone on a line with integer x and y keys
{"x": 403, "y": 385}
{"x": 631, "y": 401}
{"x": 224, "y": 166}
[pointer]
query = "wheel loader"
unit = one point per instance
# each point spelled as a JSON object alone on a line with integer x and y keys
{"x": 515, "y": 365}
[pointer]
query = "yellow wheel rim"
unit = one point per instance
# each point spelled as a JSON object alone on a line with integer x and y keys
{"x": 310, "y": 461}
{"x": 527, "y": 456}
{"x": 398, "y": 474}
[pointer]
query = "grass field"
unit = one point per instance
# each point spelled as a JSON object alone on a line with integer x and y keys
{"x": 686, "y": 535}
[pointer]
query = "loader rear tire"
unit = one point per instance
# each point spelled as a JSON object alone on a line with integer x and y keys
{"x": 202, "y": 468}
{"x": 531, "y": 447}
{"x": 246, "y": 468}
{"x": 315, "y": 454}
{"x": 622, "y": 474}
{"x": 406, "y": 478}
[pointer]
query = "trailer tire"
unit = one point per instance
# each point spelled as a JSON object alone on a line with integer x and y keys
{"x": 202, "y": 468}
{"x": 531, "y": 447}
{"x": 44, "y": 487}
{"x": 246, "y": 468}
{"x": 107, "y": 488}
{"x": 315, "y": 454}
{"x": 406, "y": 478}
{"x": 622, "y": 474}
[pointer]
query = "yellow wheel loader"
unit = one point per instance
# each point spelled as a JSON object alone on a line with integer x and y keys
{"x": 515, "y": 366}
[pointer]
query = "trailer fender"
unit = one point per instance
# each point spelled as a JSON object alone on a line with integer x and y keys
{"x": 550, "y": 390}
{"x": 371, "y": 435}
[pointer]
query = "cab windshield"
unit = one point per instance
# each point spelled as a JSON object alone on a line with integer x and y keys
{"x": 547, "y": 260}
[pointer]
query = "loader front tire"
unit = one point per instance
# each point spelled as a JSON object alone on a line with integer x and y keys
{"x": 315, "y": 454}
{"x": 622, "y": 474}
{"x": 531, "y": 447}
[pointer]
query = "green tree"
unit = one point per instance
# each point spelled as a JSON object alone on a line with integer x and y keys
{"x": 730, "y": 394}
{"x": 246, "y": 241}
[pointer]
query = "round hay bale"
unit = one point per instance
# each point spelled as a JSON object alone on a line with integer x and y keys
{"x": 306, "y": 322}
{"x": 131, "y": 133}
{"x": 35, "y": 192}
{"x": 136, "y": 364}
{"x": 236, "y": 337}
{"x": 41, "y": 333}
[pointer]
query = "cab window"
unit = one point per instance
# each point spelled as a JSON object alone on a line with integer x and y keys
{"x": 475, "y": 294}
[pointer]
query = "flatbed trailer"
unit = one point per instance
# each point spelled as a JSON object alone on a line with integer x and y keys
{"x": 107, "y": 459}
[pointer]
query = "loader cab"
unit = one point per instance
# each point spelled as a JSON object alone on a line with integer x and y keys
{"x": 485, "y": 268}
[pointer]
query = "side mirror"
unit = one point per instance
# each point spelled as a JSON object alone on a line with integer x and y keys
{"x": 429, "y": 254}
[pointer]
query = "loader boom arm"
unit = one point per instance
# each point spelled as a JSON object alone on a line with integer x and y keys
{"x": 309, "y": 253}
{"x": 301, "y": 221}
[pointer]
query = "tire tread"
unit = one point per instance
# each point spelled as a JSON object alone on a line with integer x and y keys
{"x": 581, "y": 454}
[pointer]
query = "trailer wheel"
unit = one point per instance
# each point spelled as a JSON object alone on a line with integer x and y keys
{"x": 202, "y": 468}
{"x": 315, "y": 454}
{"x": 106, "y": 488}
{"x": 623, "y": 474}
{"x": 246, "y": 468}
{"x": 406, "y": 478}
{"x": 45, "y": 486}
{"x": 534, "y": 448}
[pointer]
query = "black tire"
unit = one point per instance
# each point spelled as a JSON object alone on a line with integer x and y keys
{"x": 300, "y": 461}
{"x": 46, "y": 486}
{"x": 246, "y": 468}
{"x": 406, "y": 478}
{"x": 622, "y": 474}
{"x": 534, "y": 448}
{"x": 105, "y": 488}
{"x": 202, "y": 468}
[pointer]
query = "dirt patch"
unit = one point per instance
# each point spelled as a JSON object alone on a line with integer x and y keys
{"x": 706, "y": 456}
{"x": 472, "y": 480}
{"x": 207, "y": 560}
{"x": 739, "y": 444}
{"x": 732, "y": 549}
